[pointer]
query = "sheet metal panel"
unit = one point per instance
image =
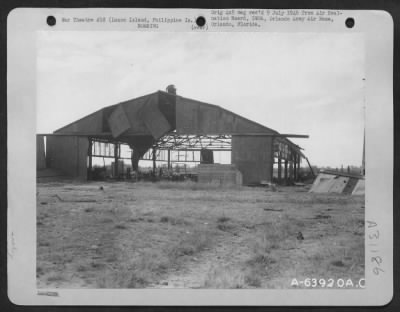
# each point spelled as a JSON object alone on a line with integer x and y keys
{"x": 68, "y": 154}
{"x": 253, "y": 156}
{"x": 118, "y": 121}
{"x": 153, "y": 118}
{"x": 339, "y": 185}
{"x": 329, "y": 183}
{"x": 92, "y": 123}
{"x": 132, "y": 110}
{"x": 193, "y": 117}
{"x": 167, "y": 105}
{"x": 359, "y": 189}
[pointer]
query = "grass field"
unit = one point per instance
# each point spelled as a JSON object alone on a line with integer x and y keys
{"x": 151, "y": 235}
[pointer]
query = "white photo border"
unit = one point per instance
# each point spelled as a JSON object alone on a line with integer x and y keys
{"x": 22, "y": 25}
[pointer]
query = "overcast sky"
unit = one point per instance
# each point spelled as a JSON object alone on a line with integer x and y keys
{"x": 305, "y": 83}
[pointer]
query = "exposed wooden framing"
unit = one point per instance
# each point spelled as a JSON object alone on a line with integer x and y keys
{"x": 189, "y": 144}
{"x": 194, "y": 142}
{"x": 195, "y": 149}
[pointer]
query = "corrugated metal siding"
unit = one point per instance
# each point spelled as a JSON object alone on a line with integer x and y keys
{"x": 68, "y": 154}
{"x": 132, "y": 109}
{"x": 193, "y": 117}
{"x": 90, "y": 124}
{"x": 153, "y": 118}
{"x": 253, "y": 156}
{"x": 118, "y": 121}
{"x": 167, "y": 105}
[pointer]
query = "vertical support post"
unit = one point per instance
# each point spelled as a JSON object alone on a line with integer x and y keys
{"x": 169, "y": 159}
{"x": 295, "y": 167}
{"x": 154, "y": 160}
{"x": 116, "y": 153}
{"x": 298, "y": 167}
{"x": 89, "y": 172}
{"x": 286, "y": 171}
{"x": 291, "y": 171}
{"x": 272, "y": 160}
{"x": 279, "y": 169}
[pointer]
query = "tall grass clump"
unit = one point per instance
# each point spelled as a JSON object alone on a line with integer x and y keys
{"x": 146, "y": 269}
{"x": 190, "y": 244}
{"x": 223, "y": 277}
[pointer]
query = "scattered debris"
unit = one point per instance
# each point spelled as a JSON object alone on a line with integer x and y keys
{"x": 223, "y": 219}
{"x": 76, "y": 199}
{"x": 338, "y": 263}
{"x": 164, "y": 219}
{"x": 338, "y": 182}
{"x": 121, "y": 226}
{"x": 300, "y": 236}
{"x": 321, "y": 216}
{"x": 271, "y": 209}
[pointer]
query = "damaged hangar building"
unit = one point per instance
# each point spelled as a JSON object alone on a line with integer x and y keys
{"x": 165, "y": 122}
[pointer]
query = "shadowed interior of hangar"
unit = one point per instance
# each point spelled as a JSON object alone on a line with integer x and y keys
{"x": 161, "y": 123}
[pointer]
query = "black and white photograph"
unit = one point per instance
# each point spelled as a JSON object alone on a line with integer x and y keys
{"x": 203, "y": 159}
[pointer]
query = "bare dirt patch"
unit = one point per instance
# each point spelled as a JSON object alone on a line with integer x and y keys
{"x": 141, "y": 235}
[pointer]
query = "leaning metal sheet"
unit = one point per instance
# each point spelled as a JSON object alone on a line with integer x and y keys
{"x": 325, "y": 73}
